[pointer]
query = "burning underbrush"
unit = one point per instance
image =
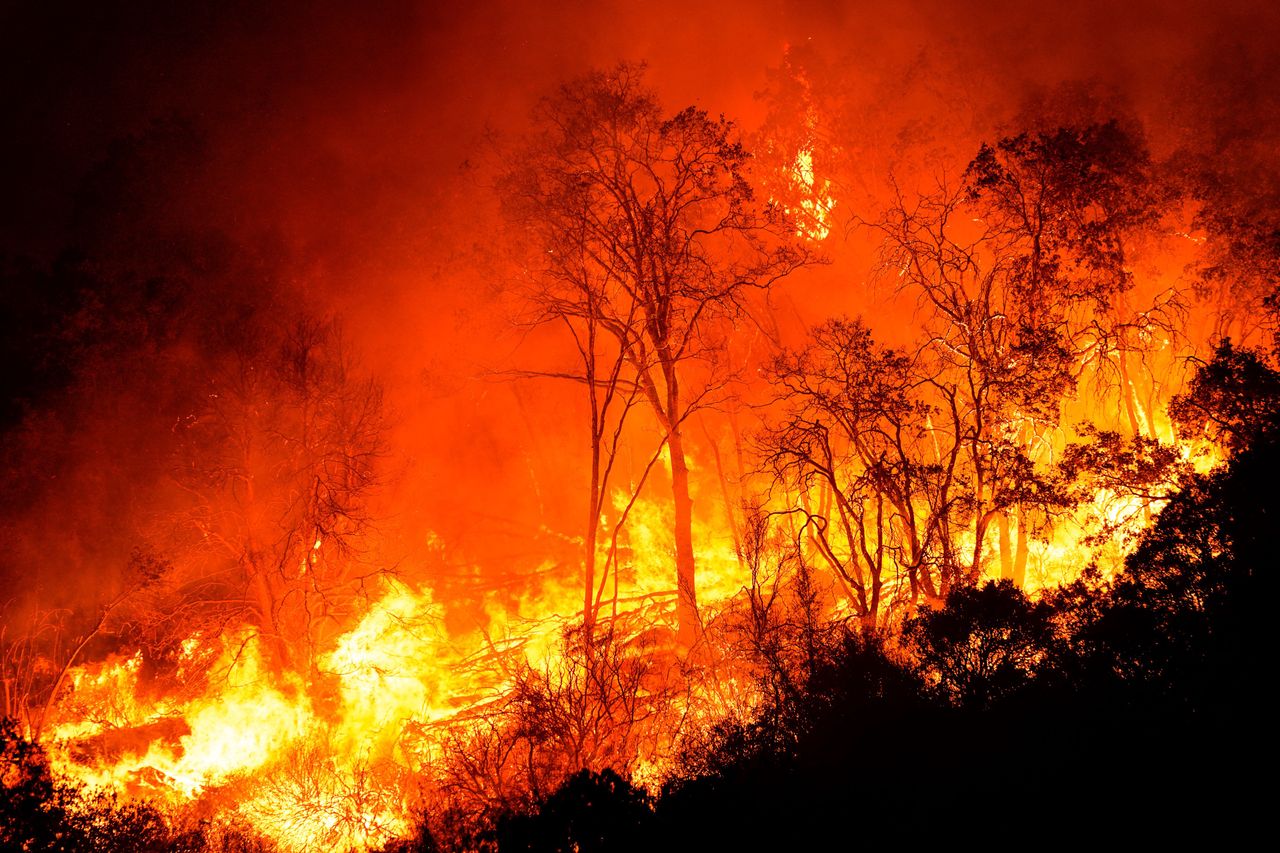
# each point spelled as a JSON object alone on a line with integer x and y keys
{"x": 960, "y": 561}
{"x": 396, "y": 719}
{"x": 396, "y": 716}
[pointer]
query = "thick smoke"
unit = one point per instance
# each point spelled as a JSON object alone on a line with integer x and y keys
{"x": 176, "y": 174}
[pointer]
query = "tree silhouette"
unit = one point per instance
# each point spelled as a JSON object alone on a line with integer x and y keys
{"x": 851, "y": 429}
{"x": 984, "y": 644}
{"x": 38, "y": 812}
{"x": 646, "y": 228}
{"x": 1233, "y": 399}
{"x": 1020, "y": 273}
{"x": 276, "y": 466}
{"x": 592, "y": 812}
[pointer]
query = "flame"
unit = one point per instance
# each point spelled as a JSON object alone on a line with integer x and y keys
{"x": 816, "y": 201}
{"x": 259, "y": 739}
{"x": 336, "y": 752}
{"x": 243, "y": 717}
{"x": 336, "y": 756}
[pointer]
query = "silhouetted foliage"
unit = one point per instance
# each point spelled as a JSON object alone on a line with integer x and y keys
{"x": 1233, "y": 398}
{"x": 1183, "y": 629}
{"x": 590, "y": 813}
{"x": 422, "y": 841}
{"x": 1133, "y": 466}
{"x": 27, "y": 814}
{"x": 38, "y": 813}
{"x": 1073, "y": 192}
{"x": 985, "y": 644}
{"x": 1148, "y": 688}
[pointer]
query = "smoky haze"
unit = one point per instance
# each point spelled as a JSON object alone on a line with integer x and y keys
{"x": 339, "y": 159}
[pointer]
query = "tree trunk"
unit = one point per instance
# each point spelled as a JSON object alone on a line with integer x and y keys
{"x": 264, "y": 603}
{"x": 1128, "y": 392}
{"x": 1006, "y": 547}
{"x": 974, "y": 573}
{"x": 594, "y": 502}
{"x": 1021, "y": 550}
{"x": 687, "y": 601}
{"x": 730, "y": 506}
{"x": 589, "y": 573}
{"x": 1014, "y": 547}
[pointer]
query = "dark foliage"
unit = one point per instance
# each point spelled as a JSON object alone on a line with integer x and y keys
{"x": 41, "y": 815}
{"x": 590, "y": 813}
{"x": 1131, "y": 709}
{"x": 27, "y": 812}
{"x": 984, "y": 646}
{"x": 1233, "y": 399}
{"x": 422, "y": 841}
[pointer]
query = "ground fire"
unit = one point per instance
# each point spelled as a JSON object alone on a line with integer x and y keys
{"x": 840, "y": 421}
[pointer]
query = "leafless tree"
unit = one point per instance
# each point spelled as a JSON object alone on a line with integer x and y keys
{"x": 276, "y": 467}
{"x": 36, "y": 659}
{"x": 851, "y": 441}
{"x": 645, "y": 229}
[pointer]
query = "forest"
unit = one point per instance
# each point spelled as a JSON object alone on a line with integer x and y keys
{"x": 809, "y": 424}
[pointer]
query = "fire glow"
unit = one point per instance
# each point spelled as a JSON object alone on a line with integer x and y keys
{"x": 679, "y": 390}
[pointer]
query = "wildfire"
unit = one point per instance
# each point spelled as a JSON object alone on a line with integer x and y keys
{"x": 233, "y": 727}
{"x": 816, "y": 204}
{"x": 1013, "y": 428}
{"x": 306, "y": 762}
{"x": 332, "y": 756}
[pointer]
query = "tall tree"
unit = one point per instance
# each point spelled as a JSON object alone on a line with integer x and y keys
{"x": 1067, "y": 205}
{"x": 994, "y": 371}
{"x": 647, "y": 228}
{"x": 277, "y": 464}
{"x": 610, "y": 398}
{"x": 1022, "y": 271}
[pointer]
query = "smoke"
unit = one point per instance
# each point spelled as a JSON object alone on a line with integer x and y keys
{"x": 172, "y": 170}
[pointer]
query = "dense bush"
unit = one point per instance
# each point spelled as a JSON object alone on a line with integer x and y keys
{"x": 1132, "y": 709}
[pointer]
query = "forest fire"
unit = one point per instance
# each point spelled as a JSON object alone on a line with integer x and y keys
{"x": 605, "y": 455}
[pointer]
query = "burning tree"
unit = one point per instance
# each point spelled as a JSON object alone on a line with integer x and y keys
{"x": 995, "y": 371}
{"x": 1026, "y": 275}
{"x": 276, "y": 463}
{"x": 1021, "y": 277}
{"x": 648, "y": 237}
{"x": 852, "y": 436}
{"x": 1067, "y": 207}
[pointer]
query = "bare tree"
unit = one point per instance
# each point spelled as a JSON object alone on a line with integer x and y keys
{"x": 645, "y": 228}
{"x": 784, "y": 622}
{"x": 996, "y": 358}
{"x": 36, "y": 661}
{"x": 276, "y": 466}
{"x": 850, "y": 440}
{"x": 610, "y": 398}
{"x": 1020, "y": 278}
